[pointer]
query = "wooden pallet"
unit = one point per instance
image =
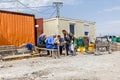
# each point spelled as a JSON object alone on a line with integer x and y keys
{"x": 20, "y": 57}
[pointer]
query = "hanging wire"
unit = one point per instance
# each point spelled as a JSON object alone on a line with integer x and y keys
{"x": 7, "y": 1}
{"x": 52, "y": 13}
{"x": 31, "y": 8}
{"x": 35, "y": 9}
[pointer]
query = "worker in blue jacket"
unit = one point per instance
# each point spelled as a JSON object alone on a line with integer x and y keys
{"x": 41, "y": 41}
{"x": 50, "y": 42}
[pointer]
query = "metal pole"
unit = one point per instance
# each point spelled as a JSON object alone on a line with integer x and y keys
{"x": 57, "y": 5}
{"x": 58, "y": 11}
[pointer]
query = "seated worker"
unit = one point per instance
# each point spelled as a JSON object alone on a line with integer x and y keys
{"x": 50, "y": 42}
{"x": 61, "y": 40}
{"x": 41, "y": 41}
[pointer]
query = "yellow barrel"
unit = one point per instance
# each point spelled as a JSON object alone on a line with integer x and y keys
{"x": 91, "y": 47}
{"x": 82, "y": 49}
{"x": 78, "y": 49}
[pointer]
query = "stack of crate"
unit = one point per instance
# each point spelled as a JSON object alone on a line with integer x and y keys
{"x": 115, "y": 46}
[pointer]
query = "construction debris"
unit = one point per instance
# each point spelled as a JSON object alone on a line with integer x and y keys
{"x": 8, "y": 53}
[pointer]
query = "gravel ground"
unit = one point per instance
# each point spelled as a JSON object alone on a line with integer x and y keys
{"x": 79, "y": 67}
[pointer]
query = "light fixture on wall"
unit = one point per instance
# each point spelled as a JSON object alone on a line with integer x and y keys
{"x": 36, "y": 26}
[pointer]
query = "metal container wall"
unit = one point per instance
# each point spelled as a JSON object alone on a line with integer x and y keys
{"x": 16, "y": 28}
{"x": 39, "y": 29}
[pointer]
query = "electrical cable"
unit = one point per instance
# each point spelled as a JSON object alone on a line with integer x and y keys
{"x": 34, "y": 9}
{"x": 6, "y": 1}
{"x": 53, "y": 13}
{"x": 28, "y": 7}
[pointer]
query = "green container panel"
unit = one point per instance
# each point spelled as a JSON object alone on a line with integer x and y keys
{"x": 114, "y": 39}
{"x": 118, "y": 39}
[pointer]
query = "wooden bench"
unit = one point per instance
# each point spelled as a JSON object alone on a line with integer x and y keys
{"x": 53, "y": 52}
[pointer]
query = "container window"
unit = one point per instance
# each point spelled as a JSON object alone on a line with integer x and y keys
{"x": 72, "y": 28}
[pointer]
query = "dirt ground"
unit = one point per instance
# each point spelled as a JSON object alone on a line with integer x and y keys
{"x": 79, "y": 67}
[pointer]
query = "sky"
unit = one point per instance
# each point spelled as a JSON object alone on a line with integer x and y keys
{"x": 106, "y": 13}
